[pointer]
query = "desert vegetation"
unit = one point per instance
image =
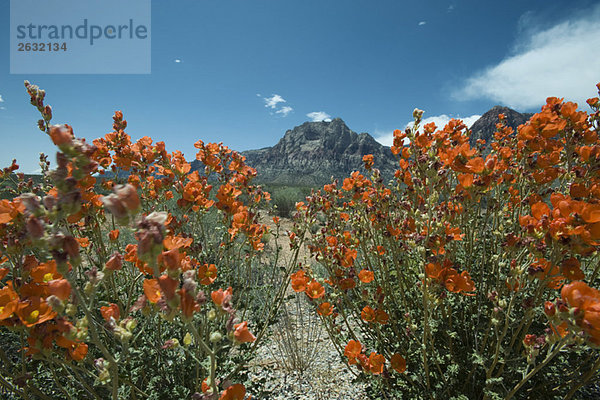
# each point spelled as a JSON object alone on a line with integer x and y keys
{"x": 471, "y": 274}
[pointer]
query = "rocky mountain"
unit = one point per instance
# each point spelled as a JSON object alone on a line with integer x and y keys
{"x": 314, "y": 152}
{"x": 310, "y": 154}
{"x": 485, "y": 126}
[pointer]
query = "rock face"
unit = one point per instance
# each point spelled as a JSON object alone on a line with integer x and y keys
{"x": 314, "y": 152}
{"x": 485, "y": 126}
{"x": 310, "y": 154}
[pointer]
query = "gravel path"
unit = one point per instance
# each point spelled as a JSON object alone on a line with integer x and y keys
{"x": 318, "y": 373}
{"x": 298, "y": 361}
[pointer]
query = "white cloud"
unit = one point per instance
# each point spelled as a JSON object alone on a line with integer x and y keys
{"x": 561, "y": 61}
{"x": 1, "y": 99}
{"x": 177, "y": 60}
{"x": 273, "y": 101}
{"x": 386, "y": 138}
{"x": 318, "y": 116}
{"x": 422, "y": 23}
{"x": 284, "y": 111}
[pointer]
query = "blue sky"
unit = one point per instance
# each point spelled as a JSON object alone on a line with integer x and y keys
{"x": 243, "y": 72}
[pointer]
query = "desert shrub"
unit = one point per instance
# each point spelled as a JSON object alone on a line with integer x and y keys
{"x": 147, "y": 289}
{"x": 285, "y": 197}
{"x": 466, "y": 276}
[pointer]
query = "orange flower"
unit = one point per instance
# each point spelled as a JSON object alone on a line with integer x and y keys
{"x": 60, "y": 288}
{"x": 366, "y": 276}
{"x": 241, "y": 333}
{"x": 299, "y": 281}
{"x": 188, "y": 303}
{"x": 205, "y": 386}
{"x": 61, "y": 134}
{"x": 465, "y": 180}
{"x": 476, "y": 165}
{"x": 234, "y": 392}
{"x": 113, "y": 235}
{"x": 347, "y": 284}
{"x": 152, "y": 290}
{"x": 115, "y": 262}
{"x": 78, "y": 351}
{"x": 539, "y": 209}
{"x": 368, "y": 160}
{"x": 110, "y": 311}
{"x": 34, "y": 311}
{"x": 176, "y": 242}
{"x": 571, "y": 270}
{"x": 578, "y": 294}
{"x": 168, "y": 286}
{"x": 315, "y": 290}
{"x": 325, "y": 309}
{"x": 219, "y": 296}
{"x": 398, "y": 363}
{"x": 381, "y": 317}
{"x": 171, "y": 259}
{"x": 8, "y": 301}
{"x": 367, "y": 314}
{"x": 83, "y": 242}
{"x": 591, "y": 213}
{"x": 352, "y": 351}
{"x": 376, "y": 363}
{"x": 207, "y": 274}
{"x": 45, "y": 272}
{"x": 560, "y": 330}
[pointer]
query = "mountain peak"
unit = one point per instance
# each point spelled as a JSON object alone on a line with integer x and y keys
{"x": 313, "y": 152}
{"x": 485, "y": 126}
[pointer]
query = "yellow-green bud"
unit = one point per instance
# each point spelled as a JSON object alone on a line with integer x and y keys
{"x": 187, "y": 339}
{"x": 71, "y": 310}
{"x": 215, "y": 337}
{"x": 212, "y": 314}
{"x": 131, "y": 324}
{"x": 88, "y": 288}
{"x": 104, "y": 376}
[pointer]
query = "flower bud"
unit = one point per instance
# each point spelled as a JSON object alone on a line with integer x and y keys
{"x": 35, "y": 227}
{"x": 61, "y": 135}
{"x": 187, "y": 339}
{"x": 131, "y": 325}
{"x": 71, "y": 310}
{"x": 122, "y": 334}
{"x": 49, "y": 202}
{"x": 88, "y": 288}
{"x": 82, "y": 322}
{"x": 417, "y": 114}
{"x": 549, "y": 309}
{"x": 56, "y": 304}
{"x": 115, "y": 262}
{"x": 215, "y": 337}
{"x": 212, "y": 314}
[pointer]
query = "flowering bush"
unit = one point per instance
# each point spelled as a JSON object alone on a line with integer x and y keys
{"x": 467, "y": 276}
{"x": 125, "y": 274}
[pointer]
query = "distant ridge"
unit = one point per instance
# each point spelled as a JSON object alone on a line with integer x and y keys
{"x": 314, "y": 152}
{"x": 485, "y": 126}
